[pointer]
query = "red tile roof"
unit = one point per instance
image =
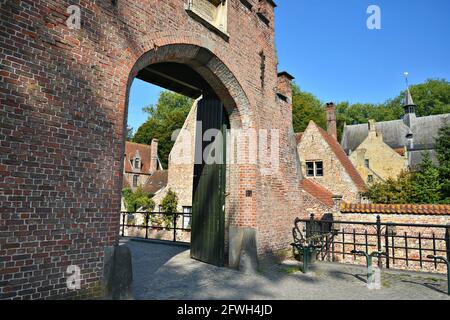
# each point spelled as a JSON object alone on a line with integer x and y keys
{"x": 156, "y": 182}
{"x": 427, "y": 209}
{"x": 345, "y": 161}
{"x": 317, "y": 191}
{"x": 400, "y": 151}
{"x": 145, "y": 153}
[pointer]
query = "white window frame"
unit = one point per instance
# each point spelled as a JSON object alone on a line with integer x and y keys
{"x": 315, "y": 169}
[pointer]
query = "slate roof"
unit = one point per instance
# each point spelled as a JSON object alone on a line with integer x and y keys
{"x": 424, "y": 130}
{"x": 396, "y": 209}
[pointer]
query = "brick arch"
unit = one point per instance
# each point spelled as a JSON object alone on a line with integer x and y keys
{"x": 204, "y": 61}
{"x": 226, "y": 86}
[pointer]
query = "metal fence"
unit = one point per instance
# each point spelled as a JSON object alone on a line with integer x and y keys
{"x": 165, "y": 226}
{"x": 406, "y": 246}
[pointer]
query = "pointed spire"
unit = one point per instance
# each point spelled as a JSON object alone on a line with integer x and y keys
{"x": 409, "y": 106}
{"x": 408, "y": 98}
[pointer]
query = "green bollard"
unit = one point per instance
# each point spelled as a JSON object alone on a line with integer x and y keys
{"x": 369, "y": 261}
{"x": 448, "y": 269}
{"x": 307, "y": 252}
{"x": 305, "y": 259}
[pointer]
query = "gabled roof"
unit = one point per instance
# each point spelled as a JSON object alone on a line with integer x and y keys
{"x": 343, "y": 159}
{"x": 424, "y": 130}
{"x": 317, "y": 191}
{"x": 156, "y": 182}
{"x": 145, "y": 154}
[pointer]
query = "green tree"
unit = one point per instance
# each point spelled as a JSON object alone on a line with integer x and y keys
{"x": 420, "y": 187}
{"x": 443, "y": 154}
{"x": 164, "y": 118}
{"x": 306, "y": 107}
{"x": 426, "y": 182}
{"x": 169, "y": 204}
{"x": 137, "y": 200}
{"x": 430, "y": 97}
{"x": 393, "y": 191}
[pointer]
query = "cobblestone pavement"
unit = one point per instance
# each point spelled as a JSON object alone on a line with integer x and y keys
{"x": 166, "y": 272}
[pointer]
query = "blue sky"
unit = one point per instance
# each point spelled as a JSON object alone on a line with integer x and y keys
{"x": 327, "y": 46}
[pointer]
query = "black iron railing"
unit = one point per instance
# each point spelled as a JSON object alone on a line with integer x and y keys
{"x": 404, "y": 245}
{"x": 156, "y": 221}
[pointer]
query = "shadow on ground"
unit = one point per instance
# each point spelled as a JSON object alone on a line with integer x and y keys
{"x": 165, "y": 272}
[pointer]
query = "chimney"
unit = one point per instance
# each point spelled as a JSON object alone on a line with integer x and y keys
{"x": 284, "y": 86}
{"x": 337, "y": 202}
{"x": 154, "y": 156}
{"x": 331, "y": 120}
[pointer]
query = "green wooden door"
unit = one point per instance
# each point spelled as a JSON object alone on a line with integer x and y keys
{"x": 208, "y": 216}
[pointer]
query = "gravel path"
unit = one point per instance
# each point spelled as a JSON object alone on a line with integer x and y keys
{"x": 166, "y": 272}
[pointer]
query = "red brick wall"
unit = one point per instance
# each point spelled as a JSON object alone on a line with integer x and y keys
{"x": 63, "y": 105}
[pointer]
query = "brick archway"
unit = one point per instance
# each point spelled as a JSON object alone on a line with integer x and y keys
{"x": 225, "y": 86}
{"x": 211, "y": 68}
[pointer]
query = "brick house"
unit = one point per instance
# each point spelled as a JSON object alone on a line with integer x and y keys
{"x": 140, "y": 162}
{"x": 325, "y": 162}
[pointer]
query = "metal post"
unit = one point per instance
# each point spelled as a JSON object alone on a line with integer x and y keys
{"x": 146, "y": 225}
{"x": 123, "y": 225}
{"x": 306, "y": 254}
{"x": 386, "y": 238}
{"x": 380, "y": 264}
{"x": 447, "y": 241}
{"x": 174, "y": 227}
{"x": 310, "y": 232}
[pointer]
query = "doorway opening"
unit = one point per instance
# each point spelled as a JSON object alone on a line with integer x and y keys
{"x": 198, "y": 184}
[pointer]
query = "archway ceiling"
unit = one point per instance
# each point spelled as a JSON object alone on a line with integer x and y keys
{"x": 176, "y": 77}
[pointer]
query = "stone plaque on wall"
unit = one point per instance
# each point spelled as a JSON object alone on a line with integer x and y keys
{"x": 213, "y": 12}
{"x": 206, "y": 9}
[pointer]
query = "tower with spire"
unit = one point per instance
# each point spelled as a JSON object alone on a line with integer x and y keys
{"x": 409, "y": 106}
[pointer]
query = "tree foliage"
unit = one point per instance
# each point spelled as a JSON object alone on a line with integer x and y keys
{"x": 443, "y": 154}
{"x": 425, "y": 186}
{"x": 169, "y": 204}
{"x": 137, "y": 200}
{"x": 431, "y": 97}
{"x": 164, "y": 118}
{"x": 306, "y": 107}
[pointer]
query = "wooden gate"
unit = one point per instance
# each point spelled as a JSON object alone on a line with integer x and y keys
{"x": 208, "y": 205}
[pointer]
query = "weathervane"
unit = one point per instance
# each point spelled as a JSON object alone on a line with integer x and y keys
{"x": 406, "y": 79}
